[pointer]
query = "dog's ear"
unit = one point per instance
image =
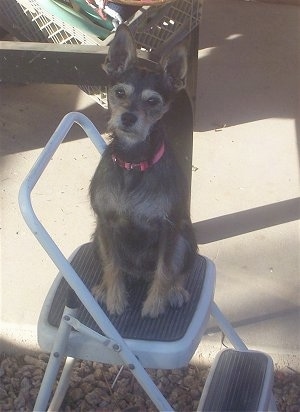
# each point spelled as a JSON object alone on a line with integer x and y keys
{"x": 175, "y": 67}
{"x": 121, "y": 53}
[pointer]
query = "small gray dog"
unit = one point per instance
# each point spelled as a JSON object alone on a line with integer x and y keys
{"x": 138, "y": 192}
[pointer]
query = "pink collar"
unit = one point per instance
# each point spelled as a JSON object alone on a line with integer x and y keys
{"x": 142, "y": 166}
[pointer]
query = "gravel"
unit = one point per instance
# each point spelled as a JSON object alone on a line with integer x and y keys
{"x": 91, "y": 386}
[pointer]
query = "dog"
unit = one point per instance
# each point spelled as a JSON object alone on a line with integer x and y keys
{"x": 139, "y": 194}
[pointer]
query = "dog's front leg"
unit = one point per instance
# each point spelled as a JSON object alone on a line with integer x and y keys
{"x": 167, "y": 286}
{"x": 111, "y": 290}
{"x": 164, "y": 292}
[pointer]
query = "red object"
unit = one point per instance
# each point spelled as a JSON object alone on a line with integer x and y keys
{"x": 142, "y": 165}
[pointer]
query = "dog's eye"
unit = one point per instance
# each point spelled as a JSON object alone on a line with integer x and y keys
{"x": 120, "y": 93}
{"x": 153, "y": 101}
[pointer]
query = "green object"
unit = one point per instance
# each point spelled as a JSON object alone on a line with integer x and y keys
{"x": 93, "y": 15}
{"x": 70, "y": 16}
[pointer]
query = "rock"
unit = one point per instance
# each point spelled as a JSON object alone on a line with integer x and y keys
{"x": 89, "y": 378}
{"x": 20, "y": 402}
{"x": 34, "y": 392}
{"x": 3, "y": 393}
{"x": 98, "y": 373}
{"x": 87, "y": 387}
{"x": 159, "y": 373}
{"x": 195, "y": 394}
{"x": 25, "y": 384}
{"x": 95, "y": 397}
{"x": 35, "y": 361}
{"x": 76, "y": 394}
{"x": 102, "y": 384}
{"x": 189, "y": 381}
{"x": 38, "y": 372}
{"x": 174, "y": 378}
{"x": 43, "y": 357}
{"x": 90, "y": 387}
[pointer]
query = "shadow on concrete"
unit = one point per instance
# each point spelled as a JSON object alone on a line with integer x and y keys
{"x": 239, "y": 223}
{"x": 247, "y": 71}
{"x": 30, "y": 114}
{"x": 8, "y": 348}
{"x": 257, "y": 319}
{"x": 249, "y": 64}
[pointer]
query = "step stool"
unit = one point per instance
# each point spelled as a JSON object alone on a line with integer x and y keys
{"x": 73, "y": 325}
{"x": 238, "y": 381}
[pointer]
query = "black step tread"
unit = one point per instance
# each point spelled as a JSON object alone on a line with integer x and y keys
{"x": 171, "y": 326}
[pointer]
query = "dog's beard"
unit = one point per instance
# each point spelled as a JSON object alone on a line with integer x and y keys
{"x": 133, "y": 134}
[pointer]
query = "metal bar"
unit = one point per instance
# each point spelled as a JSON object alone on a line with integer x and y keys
{"x": 57, "y": 354}
{"x": 23, "y": 62}
{"x": 227, "y": 328}
{"x": 84, "y": 330}
{"x": 62, "y": 385}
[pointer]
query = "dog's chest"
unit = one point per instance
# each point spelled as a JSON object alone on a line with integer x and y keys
{"x": 122, "y": 194}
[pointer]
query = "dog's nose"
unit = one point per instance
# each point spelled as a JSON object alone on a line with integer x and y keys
{"x": 128, "y": 119}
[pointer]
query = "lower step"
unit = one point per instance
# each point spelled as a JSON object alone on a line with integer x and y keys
{"x": 238, "y": 381}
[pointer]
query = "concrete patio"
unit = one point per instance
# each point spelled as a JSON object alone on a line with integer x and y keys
{"x": 245, "y": 183}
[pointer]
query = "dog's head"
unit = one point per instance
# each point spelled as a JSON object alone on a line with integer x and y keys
{"x": 137, "y": 97}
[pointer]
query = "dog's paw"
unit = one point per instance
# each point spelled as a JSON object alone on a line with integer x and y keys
{"x": 177, "y": 296}
{"x": 114, "y": 298}
{"x": 99, "y": 293}
{"x": 154, "y": 306}
{"x": 116, "y": 302}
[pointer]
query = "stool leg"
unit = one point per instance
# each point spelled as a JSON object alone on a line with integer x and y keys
{"x": 235, "y": 340}
{"x": 227, "y": 328}
{"x": 62, "y": 386}
{"x": 56, "y": 356}
{"x": 272, "y": 404}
